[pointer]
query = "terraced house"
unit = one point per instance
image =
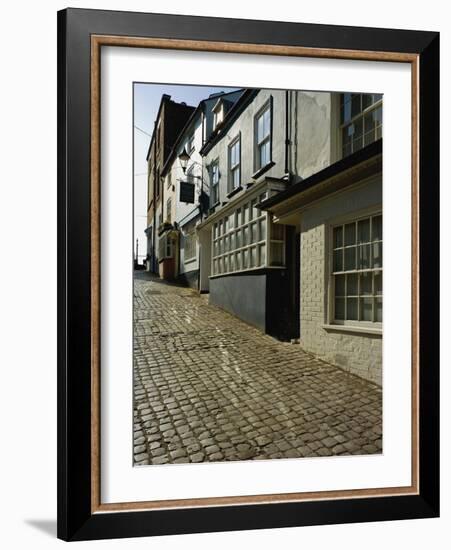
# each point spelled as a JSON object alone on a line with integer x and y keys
{"x": 186, "y": 193}
{"x": 295, "y": 221}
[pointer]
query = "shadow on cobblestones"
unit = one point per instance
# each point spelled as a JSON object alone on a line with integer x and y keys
{"x": 209, "y": 387}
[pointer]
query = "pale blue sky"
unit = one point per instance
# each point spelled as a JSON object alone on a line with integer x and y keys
{"x": 147, "y": 99}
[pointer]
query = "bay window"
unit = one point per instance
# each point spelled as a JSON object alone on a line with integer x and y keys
{"x": 242, "y": 238}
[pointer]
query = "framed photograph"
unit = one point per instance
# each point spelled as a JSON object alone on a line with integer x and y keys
{"x": 248, "y": 274}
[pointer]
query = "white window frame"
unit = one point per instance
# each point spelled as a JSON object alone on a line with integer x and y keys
{"x": 225, "y": 252}
{"x": 214, "y": 186}
{"x": 165, "y": 245}
{"x": 234, "y": 167}
{"x": 352, "y": 121}
{"x": 364, "y": 324}
{"x": 267, "y": 106}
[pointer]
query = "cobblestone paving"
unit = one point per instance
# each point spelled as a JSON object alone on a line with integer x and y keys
{"x": 209, "y": 387}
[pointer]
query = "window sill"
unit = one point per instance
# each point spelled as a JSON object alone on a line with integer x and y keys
{"x": 234, "y": 191}
{"x": 249, "y": 271}
{"x": 262, "y": 170}
{"x": 356, "y": 329}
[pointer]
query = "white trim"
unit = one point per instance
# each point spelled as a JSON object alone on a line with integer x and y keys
{"x": 330, "y": 320}
{"x": 354, "y": 328}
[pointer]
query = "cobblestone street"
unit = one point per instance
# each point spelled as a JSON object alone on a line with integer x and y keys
{"x": 209, "y": 387}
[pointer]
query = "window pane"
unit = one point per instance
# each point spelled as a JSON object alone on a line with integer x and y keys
{"x": 266, "y": 122}
{"x": 377, "y": 116}
{"x": 238, "y": 217}
{"x": 367, "y": 100}
{"x": 255, "y": 213}
{"x": 245, "y": 213}
{"x": 338, "y": 237}
{"x": 237, "y": 177}
{"x": 338, "y": 260}
{"x": 346, "y": 108}
{"x": 238, "y": 260}
{"x": 254, "y": 237}
{"x": 366, "y": 309}
{"x": 245, "y": 257}
{"x": 340, "y": 308}
{"x": 364, "y": 256}
{"x": 377, "y": 255}
{"x": 226, "y": 264}
{"x": 377, "y": 228}
{"x": 366, "y": 284}
{"x": 215, "y": 267}
{"x": 378, "y": 282}
{"x": 378, "y": 310}
{"x": 238, "y": 239}
{"x": 262, "y": 253}
{"x": 349, "y": 234}
{"x": 352, "y": 285}
{"x": 232, "y": 262}
{"x": 358, "y": 128}
{"x": 355, "y": 104}
{"x": 262, "y": 224}
{"x": 363, "y": 231}
{"x": 253, "y": 256}
{"x": 350, "y": 257}
{"x": 351, "y": 309}
{"x": 259, "y": 129}
{"x": 340, "y": 285}
{"x": 245, "y": 235}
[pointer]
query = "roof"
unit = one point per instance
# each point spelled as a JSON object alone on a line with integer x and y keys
{"x": 230, "y": 117}
{"x": 164, "y": 97}
{"x": 196, "y": 111}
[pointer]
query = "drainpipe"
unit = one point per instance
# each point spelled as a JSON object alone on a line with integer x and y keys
{"x": 287, "y": 141}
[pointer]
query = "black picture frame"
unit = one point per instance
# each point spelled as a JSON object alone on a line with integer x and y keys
{"x": 75, "y": 518}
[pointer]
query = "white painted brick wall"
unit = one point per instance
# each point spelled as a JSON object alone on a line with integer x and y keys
{"x": 360, "y": 354}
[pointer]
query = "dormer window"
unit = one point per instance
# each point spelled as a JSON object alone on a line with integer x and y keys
{"x": 218, "y": 114}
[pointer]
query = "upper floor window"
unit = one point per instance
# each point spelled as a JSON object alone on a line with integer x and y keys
{"x": 263, "y": 137}
{"x": 360, "y": 121}
{"x": 235, "y": 163}
{"x": 357, "y": 271}
{"x": 218, "y": 114}
{"x": 214, "y": 178}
